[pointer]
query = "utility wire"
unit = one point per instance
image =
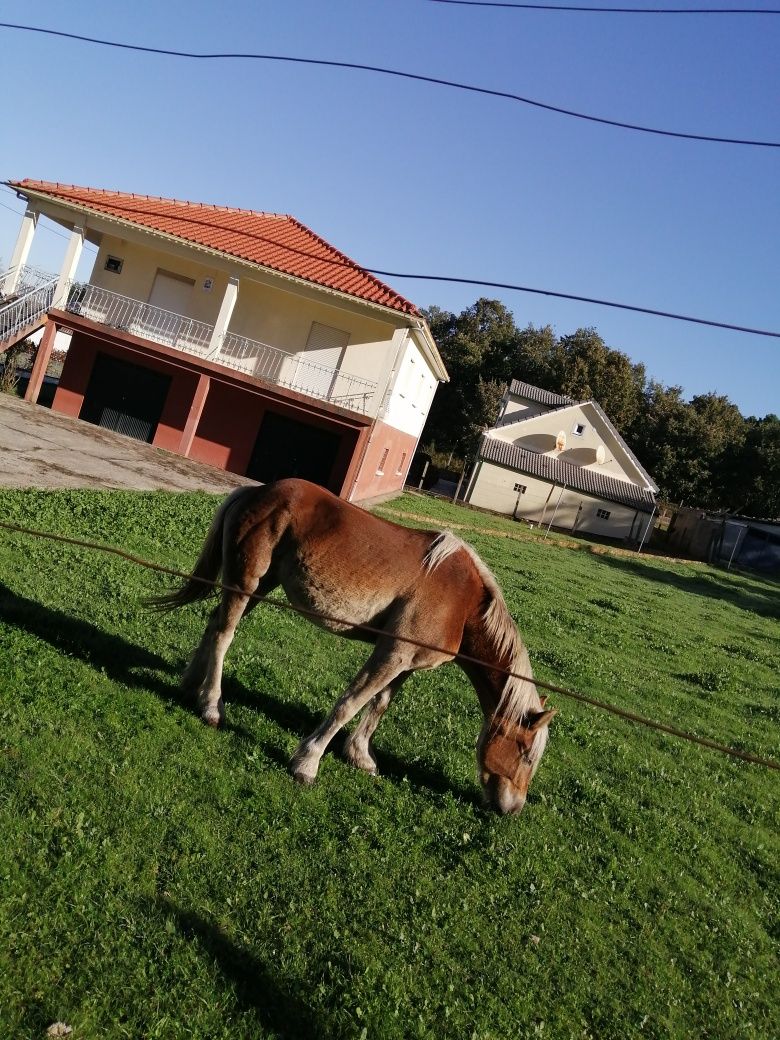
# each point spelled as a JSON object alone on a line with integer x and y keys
{"x": 370, "y": 629}
{"x": 333, "y": 261}
{"x": 45, "y": 227}
{"x": 579, "y": 299}
{"x": 507, "y": 95}
{"x": 611, "y": 10}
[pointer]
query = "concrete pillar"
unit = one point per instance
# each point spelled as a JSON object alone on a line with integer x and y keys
{"x": 41, "y": 363}
{"x": 21, "y": 250}
{"x": 223, "y": 318}
{"x": 195, "y": 412}
{"x": 69, "y": 265}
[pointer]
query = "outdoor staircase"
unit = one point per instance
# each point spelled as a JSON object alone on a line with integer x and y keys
{"x": 23, "y": 311}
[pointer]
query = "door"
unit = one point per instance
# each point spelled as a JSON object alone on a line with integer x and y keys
{"x": 126, "y": 398}
{"x": 315, "y": 371}
{"x": 172, "y": 292}
{"x": 288, "y": 448}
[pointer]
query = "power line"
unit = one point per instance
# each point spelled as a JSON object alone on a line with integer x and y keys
{"x": 45, "y": 227}
{"x": 455, "y": 85}
{"x": 334, "y": 262}
{"x": 610, "y": 10}
{"x": 371, "y": 630}
{"x": 578, "y": 299}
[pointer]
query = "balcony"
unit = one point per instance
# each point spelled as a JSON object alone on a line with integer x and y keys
{"x": 253, "y": 358}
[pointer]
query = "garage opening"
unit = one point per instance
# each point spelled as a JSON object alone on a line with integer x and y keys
{"x": 288, "y": 448}
{"x": 126, "y": 398}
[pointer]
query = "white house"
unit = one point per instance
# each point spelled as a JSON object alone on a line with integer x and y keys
{"x": 552, "y": 460}
{"x": 235, "y": 337}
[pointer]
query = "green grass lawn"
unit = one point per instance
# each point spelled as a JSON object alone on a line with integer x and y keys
{"x": 160, "y": 879}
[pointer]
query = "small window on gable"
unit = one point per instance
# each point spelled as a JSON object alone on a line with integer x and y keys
{"x": 401, "y": 463}
{"x": 382, "y": 461}
{"x": 114, "y": 264}
{"x": 603, "y": 514}
{"x": 521, "y": 488}
{"x": 578, "y": 429}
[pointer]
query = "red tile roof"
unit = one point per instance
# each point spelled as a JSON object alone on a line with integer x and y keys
{"x": 271, "y": 240}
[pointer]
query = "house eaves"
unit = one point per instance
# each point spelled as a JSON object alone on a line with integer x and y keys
{"x": 518, "y": 419}
{"x": 517, "y": 388}
{"x": 394, "y": 314}
{"x": 544, "y": 467}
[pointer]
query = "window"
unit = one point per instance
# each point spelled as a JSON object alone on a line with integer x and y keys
{"x": 401, "y": 464}
{"x": 603, "y": 514}
{"x": 522, "y": 488}
{"x": 383, "y": 460}
{"x": 114, "y": 264}
{"x": 578, "y": 429}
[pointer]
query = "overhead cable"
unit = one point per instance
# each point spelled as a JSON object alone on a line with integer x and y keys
{"x": 484, "y": 283}
{"x": 314, "y": 615}
{"x": 455, "y": 85}
{"x": 582, "y": 9}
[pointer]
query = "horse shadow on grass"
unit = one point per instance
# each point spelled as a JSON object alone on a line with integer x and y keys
{"x": 120, "y": 659}
{"x": 300, "y": 720}
{"x": 136, "y": 667}
{"x": 279, "y": 1005}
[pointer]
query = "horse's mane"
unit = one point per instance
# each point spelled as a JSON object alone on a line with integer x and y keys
{"x": 519, "y": 696}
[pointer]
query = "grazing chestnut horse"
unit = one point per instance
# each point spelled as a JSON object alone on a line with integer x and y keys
{"x": 339, "y": 560}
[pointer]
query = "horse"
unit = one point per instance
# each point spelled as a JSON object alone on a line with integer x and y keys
{"x": 351, "y": 568}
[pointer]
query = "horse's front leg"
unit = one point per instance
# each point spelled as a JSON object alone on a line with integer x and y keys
{"x": 357, "y": 747}
{"x": 379, "y": 672}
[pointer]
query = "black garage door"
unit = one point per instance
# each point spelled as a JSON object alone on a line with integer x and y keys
{"x": 288, "y": 448}
{"x": 124, "y": 397}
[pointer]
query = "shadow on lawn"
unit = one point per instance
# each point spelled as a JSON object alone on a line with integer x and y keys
{"x": 133, "y": 665}
{"x": 258, "y": 986}
{"x": 118, "y": 658}
{"x": 740, "y": 592}
{"x": 301, "y": 720}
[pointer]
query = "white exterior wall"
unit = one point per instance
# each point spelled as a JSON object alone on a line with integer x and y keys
{"x": 412, "y": 392}
{"x": 493, "y": 488}
{"x": 280, "y": 318}
{"x": 540, "y": 434}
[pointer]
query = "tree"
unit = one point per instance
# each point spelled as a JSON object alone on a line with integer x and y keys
{"x": 477, "y": 347}
{"x": 585, "y": 367}
{"x": 755, "y": 469}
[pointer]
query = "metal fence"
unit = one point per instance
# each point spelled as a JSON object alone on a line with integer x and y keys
{"x": 140, "y": 319}
{"x": 252, "y": 357}
{"x": 23, "y": 312}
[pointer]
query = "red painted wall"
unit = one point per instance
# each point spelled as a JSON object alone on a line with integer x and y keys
{"x": 231, "y": 416}
{"x": 370, "y": 481}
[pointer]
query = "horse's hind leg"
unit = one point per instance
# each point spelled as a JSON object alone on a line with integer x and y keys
{"x": 385, "y": 665}
{"x": 209, "y": 657}
{"x": 357, "y": 747}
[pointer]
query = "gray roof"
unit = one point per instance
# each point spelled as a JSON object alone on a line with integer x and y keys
{"x": 535, "y": 393}
{"x": 553, "y": 401}
{"x": 599, "y": 485}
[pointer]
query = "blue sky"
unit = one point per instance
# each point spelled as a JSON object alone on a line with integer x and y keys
{"x": 417, "y": 178}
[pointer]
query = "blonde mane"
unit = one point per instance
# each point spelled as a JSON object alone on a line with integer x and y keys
{"x": 519, "y": 696}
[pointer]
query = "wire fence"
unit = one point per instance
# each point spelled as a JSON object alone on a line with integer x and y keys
{"x": 314, "y": 615}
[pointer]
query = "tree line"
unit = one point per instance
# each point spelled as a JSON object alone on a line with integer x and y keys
{"x": 702, "y": 452}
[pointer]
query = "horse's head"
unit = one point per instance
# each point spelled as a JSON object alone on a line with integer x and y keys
{"x": 508, "y": 756}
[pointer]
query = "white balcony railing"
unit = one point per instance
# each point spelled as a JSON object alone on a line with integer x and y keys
{"x": 280, "y": 367}
{"x": 26, "y": 307}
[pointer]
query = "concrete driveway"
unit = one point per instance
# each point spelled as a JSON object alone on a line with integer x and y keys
{"x": 39, "y": 448}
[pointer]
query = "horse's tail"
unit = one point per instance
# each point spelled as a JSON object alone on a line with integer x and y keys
{"x": 201, "y": 582}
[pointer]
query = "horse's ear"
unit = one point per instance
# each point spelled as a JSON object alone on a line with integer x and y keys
{"x": 540, "y": 719}
{"x": 543, "y": 700}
